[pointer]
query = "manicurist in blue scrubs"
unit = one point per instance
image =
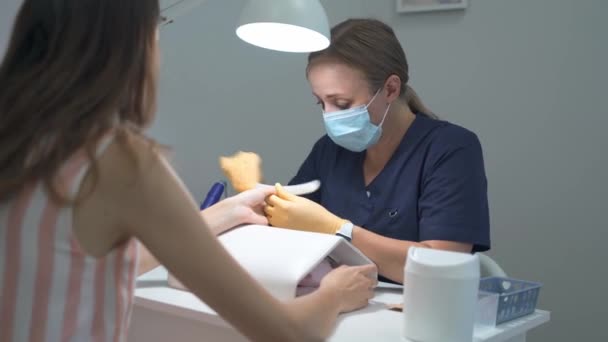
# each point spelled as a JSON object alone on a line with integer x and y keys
{"x": 392, "y": 174}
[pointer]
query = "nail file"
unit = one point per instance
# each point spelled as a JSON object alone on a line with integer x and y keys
{"x": 298, "y": 189}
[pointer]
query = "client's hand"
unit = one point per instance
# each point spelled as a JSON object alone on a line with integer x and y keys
{"x": 243, "y": 208}
{"x": 354, "y": 285}
{"x": 248, "y": 206}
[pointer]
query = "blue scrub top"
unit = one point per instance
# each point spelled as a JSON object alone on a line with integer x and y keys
{"x": 434, "y": 186}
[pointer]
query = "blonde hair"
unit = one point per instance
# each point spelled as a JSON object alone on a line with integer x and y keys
{"x": 371, "y": 47}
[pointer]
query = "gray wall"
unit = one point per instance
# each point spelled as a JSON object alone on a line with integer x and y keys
{"x": 8, "y": 9}
{"x": 527, "y": 76}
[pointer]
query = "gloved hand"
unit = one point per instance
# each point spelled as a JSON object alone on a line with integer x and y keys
{"x": 243, "y": 170}
{"x": 285, "y": 210}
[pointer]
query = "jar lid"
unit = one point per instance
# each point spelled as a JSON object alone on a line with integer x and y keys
{"x": 439, "y": 263}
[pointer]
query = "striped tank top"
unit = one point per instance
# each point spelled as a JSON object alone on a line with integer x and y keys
{"x": 50, "y": 289}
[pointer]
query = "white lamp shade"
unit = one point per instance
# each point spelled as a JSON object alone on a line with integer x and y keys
{"x": 284, "y": 25}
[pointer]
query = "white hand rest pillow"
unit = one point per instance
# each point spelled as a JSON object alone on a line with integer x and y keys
{"x": 282, "y": 259}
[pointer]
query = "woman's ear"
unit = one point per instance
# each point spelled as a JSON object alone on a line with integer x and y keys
{"x": 392, "y": 87}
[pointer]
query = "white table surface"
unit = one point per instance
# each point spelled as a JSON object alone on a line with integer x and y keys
{"x": 374, "y": 323}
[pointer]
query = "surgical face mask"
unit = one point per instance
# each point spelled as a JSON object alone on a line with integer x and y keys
{"x": 352, "y": 128}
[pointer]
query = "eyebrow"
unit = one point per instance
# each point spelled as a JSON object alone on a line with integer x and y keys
{"x": 329, "y": 95}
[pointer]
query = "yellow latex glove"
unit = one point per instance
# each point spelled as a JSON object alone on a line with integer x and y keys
{"x": 243, "y": 170}
{"x": 286, "y": 210}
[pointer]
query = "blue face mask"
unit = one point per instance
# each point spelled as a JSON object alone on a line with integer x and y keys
{"x": 352, "y": 128}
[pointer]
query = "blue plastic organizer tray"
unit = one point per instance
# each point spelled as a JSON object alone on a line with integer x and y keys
{"x": 517, "y": 298}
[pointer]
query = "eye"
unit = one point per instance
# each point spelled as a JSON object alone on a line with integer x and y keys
{"x": 343, "y": 105}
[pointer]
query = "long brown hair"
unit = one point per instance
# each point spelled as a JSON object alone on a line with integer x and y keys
{"x": 73, "y": 70}
{"x": 371, "y": 47}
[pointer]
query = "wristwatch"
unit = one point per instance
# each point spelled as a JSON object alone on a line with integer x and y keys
{"x": 346, "y": 231}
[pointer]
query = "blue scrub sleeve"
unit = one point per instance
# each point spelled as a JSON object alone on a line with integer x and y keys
{"x": 453, "y": 203}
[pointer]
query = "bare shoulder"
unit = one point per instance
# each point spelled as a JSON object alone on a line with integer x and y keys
{"x": 129, "y": 161}
{"x": 136, "y": 174}
{"x": 116, "y": 188}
